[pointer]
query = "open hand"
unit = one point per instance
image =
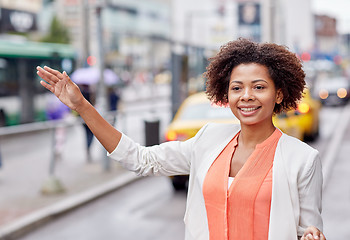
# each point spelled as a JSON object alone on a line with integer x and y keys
{"x": 313, "y": 233}
{"x": 62, "y": 86}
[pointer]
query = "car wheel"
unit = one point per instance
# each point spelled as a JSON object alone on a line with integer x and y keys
{"x": 180, "y": 182}
{"x": 314, "y": 135}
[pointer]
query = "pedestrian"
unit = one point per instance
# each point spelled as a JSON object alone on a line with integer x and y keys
{"x": 86, "y": 92}
{"x": 113, "y": 97}
{"x": 247, "y": 181}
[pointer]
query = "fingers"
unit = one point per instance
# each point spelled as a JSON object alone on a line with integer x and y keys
{"x": 310, "y": 237}
{"x": 313, "y": 233}
{"x": 66, "y": 76}
{"x": 47, "y": 86}
{"x": 54, "y": 72}
{"x": 49, "y": 75}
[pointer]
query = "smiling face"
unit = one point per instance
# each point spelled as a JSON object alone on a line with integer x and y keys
{"x": 252, "y": 95}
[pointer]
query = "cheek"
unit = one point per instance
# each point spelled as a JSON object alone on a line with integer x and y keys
{"x": 230, "y": 101}
{"x": 232, "y": 105}
{"x": 273, "y": 102}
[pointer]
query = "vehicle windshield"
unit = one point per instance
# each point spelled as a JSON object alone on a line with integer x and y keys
{"x": 206, "y": 111}
{"x": 333, "y": 83}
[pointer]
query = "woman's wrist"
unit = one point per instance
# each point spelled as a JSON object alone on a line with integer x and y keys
{"x": 83, "y": 107}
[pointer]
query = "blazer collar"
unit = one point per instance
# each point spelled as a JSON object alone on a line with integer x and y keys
{"x": 226, "y": 137}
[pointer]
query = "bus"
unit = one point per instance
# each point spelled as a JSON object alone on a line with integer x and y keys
{"x": 22, "y": 98}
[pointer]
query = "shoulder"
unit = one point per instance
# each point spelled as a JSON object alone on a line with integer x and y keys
{"x": 292, "y": 144}
{"x": 297, "y": 154}
{"x": 215, "y": 134}
{"x": 219, "y": 130}
{"x": 222, "y": 126}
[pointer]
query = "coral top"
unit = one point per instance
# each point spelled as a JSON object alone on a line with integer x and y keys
{"x": 241, "y": 211}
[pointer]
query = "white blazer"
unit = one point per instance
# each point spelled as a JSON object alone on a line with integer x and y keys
{"x": 296, "y": 187}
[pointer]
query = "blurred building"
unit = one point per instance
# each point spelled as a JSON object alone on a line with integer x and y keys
{"x": 19, "y": 16}
{"x": 211, "y": 23}
{"x": 135, "y": 34}
{"x": 326, "y": 34}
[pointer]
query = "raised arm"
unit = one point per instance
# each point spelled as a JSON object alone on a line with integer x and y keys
{"x": 69, "y": 93}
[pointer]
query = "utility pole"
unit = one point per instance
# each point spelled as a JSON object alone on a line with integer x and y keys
{"x": 101, "y": 98}
{"x": 101, "y": 103}
{"x": 85, "y": 32}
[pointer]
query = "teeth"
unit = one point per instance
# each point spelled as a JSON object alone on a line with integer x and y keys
{"x": 248, "y": 109}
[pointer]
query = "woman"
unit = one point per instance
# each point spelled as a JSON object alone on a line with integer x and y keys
{"x": 247, "y": 181}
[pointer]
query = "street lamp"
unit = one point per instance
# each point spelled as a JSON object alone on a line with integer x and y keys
{"x": 101, "y": 99}
{"x": 101, "y": 95}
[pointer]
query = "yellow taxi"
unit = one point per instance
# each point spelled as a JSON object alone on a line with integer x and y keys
{"x": 197, "y": 110}
{"x": 303, "y": 122}
{"x": 194, "y": 113}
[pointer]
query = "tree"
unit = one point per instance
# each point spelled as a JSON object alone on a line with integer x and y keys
{"x": 58, "y": 33}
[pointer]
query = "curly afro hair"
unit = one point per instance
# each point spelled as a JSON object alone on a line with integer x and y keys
{"x": 284, "y": 67}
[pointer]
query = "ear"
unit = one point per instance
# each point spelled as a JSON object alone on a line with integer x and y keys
{"x": 279, "y": 96}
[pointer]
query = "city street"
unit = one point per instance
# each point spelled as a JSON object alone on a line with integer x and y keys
{"x": 150, "y": 209}
{"x": 146, "y": 209}
{"x": 140, "y": 64}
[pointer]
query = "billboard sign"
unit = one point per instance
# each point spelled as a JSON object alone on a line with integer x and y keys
{"x": 249, "y": 20}
{"x": 17, "y": 21}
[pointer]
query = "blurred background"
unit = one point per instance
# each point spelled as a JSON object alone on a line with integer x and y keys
{"x": 141, "y": 64}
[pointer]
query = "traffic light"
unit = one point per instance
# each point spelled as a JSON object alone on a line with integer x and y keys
{"x": 91, "y": 60}
{"x": 305, "y": 56}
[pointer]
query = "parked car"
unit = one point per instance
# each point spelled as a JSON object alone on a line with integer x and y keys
{"x": 197, "y": 110}
{"x": 193, "y": 114}
{"x": 303, "y": 122}
{"x": 333, "y": 91}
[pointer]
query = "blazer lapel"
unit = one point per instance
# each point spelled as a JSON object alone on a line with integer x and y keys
{"x": 209, "y": 159}
{"x": 281, "y": 213}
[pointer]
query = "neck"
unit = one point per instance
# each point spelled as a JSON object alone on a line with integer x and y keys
{"x": 252, "y": 135}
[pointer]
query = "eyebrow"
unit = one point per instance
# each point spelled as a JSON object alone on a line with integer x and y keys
{"x": 254, "y": 81}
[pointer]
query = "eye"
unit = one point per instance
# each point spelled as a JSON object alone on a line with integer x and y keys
{"x": 235, "y": 88}
{"x": 259, "y": 87}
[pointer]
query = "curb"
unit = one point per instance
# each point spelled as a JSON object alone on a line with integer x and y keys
{"x": 37, "y": 218}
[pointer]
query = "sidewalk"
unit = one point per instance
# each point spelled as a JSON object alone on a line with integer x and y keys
{"x": 26, "y": 163}
{"x": 24, "y": 173}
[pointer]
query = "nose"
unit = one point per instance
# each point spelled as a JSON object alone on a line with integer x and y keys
{"x": 247, "y": 94}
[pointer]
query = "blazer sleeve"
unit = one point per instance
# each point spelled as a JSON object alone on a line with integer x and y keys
{"x": 310, "y": 194}
{"x": 166, "y": 159}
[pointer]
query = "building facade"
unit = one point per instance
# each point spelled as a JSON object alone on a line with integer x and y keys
{"x": 212, "y": 23}
{"x": 134, "y": 34}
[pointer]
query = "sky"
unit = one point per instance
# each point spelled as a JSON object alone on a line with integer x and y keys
{"x": 340, "y": 9}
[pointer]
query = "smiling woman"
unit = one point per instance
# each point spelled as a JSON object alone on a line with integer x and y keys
{"x": 252, "y": 95}
{"x": 258, "y": 81}
{"x": 247, "y": 180}
{"x": 283, "y": 67}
